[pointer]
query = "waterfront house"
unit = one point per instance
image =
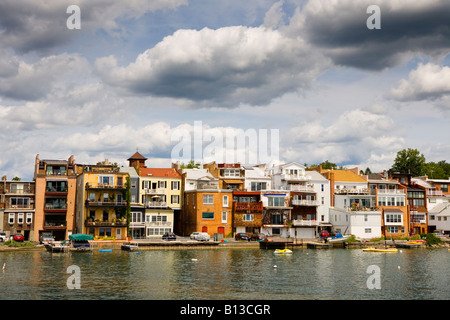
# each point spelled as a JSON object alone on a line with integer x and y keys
{"x": 247, "y": 212}
{"x": 17, "y": 208}
{"x": 439, "y": 218}
{"x": 257, "y": 178}
{"x": 55, "y": 197}
{"x": 161, "y": 195}
{"x": 276, "y": 213}
{"x": 101, "y": 201}
{"x": 208, "y": 210}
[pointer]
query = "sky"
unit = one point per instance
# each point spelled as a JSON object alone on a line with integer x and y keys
{"x": 139, "y": 73}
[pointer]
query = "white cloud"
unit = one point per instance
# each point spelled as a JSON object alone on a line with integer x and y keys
{"x": 223, "y": 67}
{"x": 428, "y": 82}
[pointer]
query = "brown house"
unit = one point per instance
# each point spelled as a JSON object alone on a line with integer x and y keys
{"x": 207, "y": 210}
{"x": 17, "y": 206}
{"x": 247, "y": 212}
{"x": 231, "y": 175}
{"x": 55, "y": 198}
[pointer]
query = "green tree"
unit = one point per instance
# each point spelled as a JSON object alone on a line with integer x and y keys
{"x": 16, "y": 179}
{"x": 191, "y": 164}
{"x": 409, "y": 161}
{"x": 434, "y": 171}
{"x": 328, "y": 165}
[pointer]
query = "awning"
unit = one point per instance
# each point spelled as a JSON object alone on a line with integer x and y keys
{"x": 81, "y": 237}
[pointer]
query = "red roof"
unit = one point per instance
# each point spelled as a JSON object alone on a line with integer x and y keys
{"x": 160, "y": 172}
{"x": 137, "y": 156}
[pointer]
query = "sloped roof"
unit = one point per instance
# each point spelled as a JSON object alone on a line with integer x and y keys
{"x": 343, "y": 175}
{"x": 137, "y": 156}
{"x": 160, "y": 172}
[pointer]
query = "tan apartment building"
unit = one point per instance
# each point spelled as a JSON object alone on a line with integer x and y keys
{"x": 102, "y": 201}
{"x": 55, "y": 198}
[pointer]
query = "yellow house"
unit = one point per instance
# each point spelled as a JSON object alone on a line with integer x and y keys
{"x": 160, "y": 193}
{"x": 101, "y": 201}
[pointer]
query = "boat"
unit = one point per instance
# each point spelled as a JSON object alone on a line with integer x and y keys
{"x": 416, "y": 242}
{"x": 338, "y": 238}
{"x": 80, "y": 242}
{"x": 282, "y": 251}
{"x": 380, "y": 250}
{"x": 57, "y": 246}
{"x": 105, "y": 250}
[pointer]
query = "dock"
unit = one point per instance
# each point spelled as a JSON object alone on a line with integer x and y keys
{"x": 145, "y": 245}
{"x": 319, "y": 245}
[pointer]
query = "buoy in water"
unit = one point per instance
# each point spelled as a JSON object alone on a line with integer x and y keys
{"x": 275, "y": 266}
{"x": 4, "y": 266}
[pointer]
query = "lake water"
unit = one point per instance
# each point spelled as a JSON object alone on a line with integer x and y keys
{"x": 242, "y": 274}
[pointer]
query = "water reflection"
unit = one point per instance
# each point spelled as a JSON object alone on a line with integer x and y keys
{"x": 244, "y": 274}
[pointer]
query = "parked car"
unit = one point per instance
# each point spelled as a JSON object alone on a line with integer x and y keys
{"x": 18, "y": 237}
{"x": 258, "y": 236}
{"x": 324, "y": 234}
{"x": 200, "y": 236}
{"x": 242, "y": 236}
{"x": 3, "y": 237}
{"x": 169, "y": 236}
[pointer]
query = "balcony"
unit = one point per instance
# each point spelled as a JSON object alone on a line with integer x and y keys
{"x": 155, "y": 191}
{"x": 159, "y": 224}
{"x": 299, "y": 188}
{"x": 104, "y": 186}
{"x": 435, "y": 193}
{"x": 353, "y": 191}
{"x": 89, "y": 203}
{"x": 55, "y": 224}
{"x": 246, "y": 207}
{"x": 305, "y": 223}
{"x": 155, "y": 204}
{"x": 305, "y": 202}
{"x": 56, "y": 191}
{"x": 391, "y": 191}
{"x": 106, "y": 223}
{"x": 295, "y": 177}
{"x": 55, "y": 207}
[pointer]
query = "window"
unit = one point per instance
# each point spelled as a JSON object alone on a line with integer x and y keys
{"x": 225, "y": 201}
{"x": 17, "y": 188}
{"x": 175, "y": 185}
{"x": 162, "y": 184}
{"x": 391, "y": 201}
{"x": 11, "y": 218}
{"x": 393, "y": 218}
{"x": 322, "y": 187}
{"x": 444, "y": 187}
{"x": 20, "y": 218}
{"x": 208, "y": 199}
{"x": 365, "y": 218}
{"x": 247, "y": 217}
{"x": 276, "y": 231}
{"x": 368, "y": 230}
{"x": 231, "y": 173}
{"x": 323, "y": 200}
{"x": 29, "y": 217}
{"x": 106, "y": 180}
{"x": 136, "y": 217}
{"x": 224, "y": 217}
{"x": 392, "y": 229}
{"x": 381, "y": 201}
{"x": 276, "y": 219}
{"x": 20, "y": 203}
{"x": 257, "y": 186}
{"x": 276, "y": 201}
{"x": 400, "y": 201}
{"x": 175, "y": 199}
{"x": 432, "y": 217}
{"x": 208, "y": 215}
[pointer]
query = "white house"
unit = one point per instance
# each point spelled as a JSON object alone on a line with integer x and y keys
{"x": 257, "y": 178}
{"x": 439, "y": 218}
{"x": 362, "y": 224}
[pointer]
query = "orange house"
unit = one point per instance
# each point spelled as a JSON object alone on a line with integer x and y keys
{"x": 207, "y": 211}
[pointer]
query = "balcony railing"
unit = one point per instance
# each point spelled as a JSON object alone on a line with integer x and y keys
{"x": 248, "y": 206}
{"x": 305, "y": 202}
{"x": 106, "y": 223}
{"x": 294, "y": 187}
{"x": 105, "y": 203}
{"x": 435, "y": 193}
{"x": 19, "y": 206}
{"x": 159, "y": 224}
{"x": 305, "y": 223}
{"x": 51, "y": 206}
{"x": 104, "y": 186}
{"x": 154, "y": 191}
{"x": 391, "y": 191}
{"x": 295, "y": 177}
{"x": 155, "y": 204}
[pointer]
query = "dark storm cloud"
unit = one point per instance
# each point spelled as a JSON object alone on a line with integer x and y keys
{"x": 407, "y": 27}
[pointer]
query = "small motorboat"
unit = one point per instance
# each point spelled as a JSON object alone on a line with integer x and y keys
{"x": 416, "y": 242}
{"x": 380, "y": 250}
{"x": 338, "y": 238}
{"x": 283, "y": 251}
